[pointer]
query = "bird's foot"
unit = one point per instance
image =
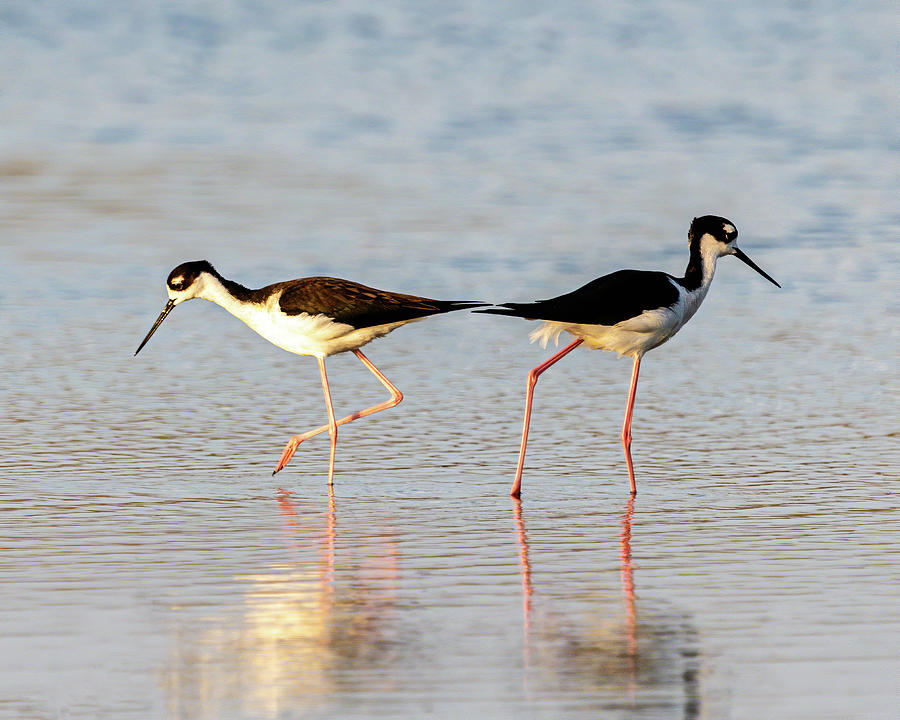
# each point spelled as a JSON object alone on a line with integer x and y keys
{"x": 288, "y": 453}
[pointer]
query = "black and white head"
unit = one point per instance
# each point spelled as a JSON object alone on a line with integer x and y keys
{"x": 187, "y": 281}
{"x": 717, "y": 236}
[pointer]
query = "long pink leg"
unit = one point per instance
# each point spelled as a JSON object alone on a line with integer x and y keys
{"x": 396, "y": 397}
{"x": 626, "y": 427}
{"x": 332, "y": 423}
{"x": 533, "y": 376}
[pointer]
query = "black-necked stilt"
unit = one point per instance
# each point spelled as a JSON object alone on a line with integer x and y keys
{"x": 317, "y": 316}
{"x": 628, "y": 312}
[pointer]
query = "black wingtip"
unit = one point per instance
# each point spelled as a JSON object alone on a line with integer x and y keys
{"x": 502, "y": 309}
{"x": 451, "y": 305}
{"x": 492, "y": 311}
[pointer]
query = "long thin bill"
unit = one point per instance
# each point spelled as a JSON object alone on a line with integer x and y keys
{"x": 162, "y": 316}
{"x": 739, "y": 254}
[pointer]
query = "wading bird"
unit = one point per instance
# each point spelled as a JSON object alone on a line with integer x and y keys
{"x": 318, "y": 316}
{"x": 628, "y": 312}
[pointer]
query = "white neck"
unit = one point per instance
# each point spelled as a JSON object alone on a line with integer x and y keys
{"x": 710, "y": 252}
{"x": 209, "y": 287}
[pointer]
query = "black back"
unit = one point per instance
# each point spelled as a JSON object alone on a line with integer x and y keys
{"x": 358, "y": 305}
{"x": 607, "y": 300}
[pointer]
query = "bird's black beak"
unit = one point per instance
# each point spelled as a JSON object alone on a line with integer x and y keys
{"x": 739, "y": 254}
{"x": 162, "y": 316}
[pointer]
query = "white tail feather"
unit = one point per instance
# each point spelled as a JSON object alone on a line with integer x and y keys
{"x": 546, "y": 332}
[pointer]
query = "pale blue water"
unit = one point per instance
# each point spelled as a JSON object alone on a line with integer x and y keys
{"x": 508, "y": 152}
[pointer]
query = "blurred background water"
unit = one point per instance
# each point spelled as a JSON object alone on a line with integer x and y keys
{"x": 501, "y": 151}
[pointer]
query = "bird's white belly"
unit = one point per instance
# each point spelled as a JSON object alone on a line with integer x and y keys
{"x": 631, "y": 337}
{"x": 305, "y": 334}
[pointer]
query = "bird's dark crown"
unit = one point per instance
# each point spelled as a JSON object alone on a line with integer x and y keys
{"x": 720, "y": 228}
{"x": 187, "y": 273}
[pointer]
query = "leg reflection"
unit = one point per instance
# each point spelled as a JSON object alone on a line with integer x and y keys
{"x": 527, "y": 589}
{"x": 288, "y": 518}
{"x": 628, "y": 576}
{"x": 291, "y": 529}
{"x": 525, "y": 566}
{"x": 328, "y": 543}
{"x": 627, "y": 573}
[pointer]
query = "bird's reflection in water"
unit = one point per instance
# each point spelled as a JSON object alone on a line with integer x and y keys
{"x": 298, "y": 632}
{"x": 291, "y": 529}
{"x": 613, "y": 656}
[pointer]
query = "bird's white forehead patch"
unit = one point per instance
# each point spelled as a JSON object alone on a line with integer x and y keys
{"x": 178, "y": 280}
{"x": 729, "y": 228}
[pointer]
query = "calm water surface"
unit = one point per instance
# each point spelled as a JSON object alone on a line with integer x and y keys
{"x": 151, "y": 566}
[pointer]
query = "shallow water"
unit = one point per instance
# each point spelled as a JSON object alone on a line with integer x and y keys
{"x": 151, "y": 566}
